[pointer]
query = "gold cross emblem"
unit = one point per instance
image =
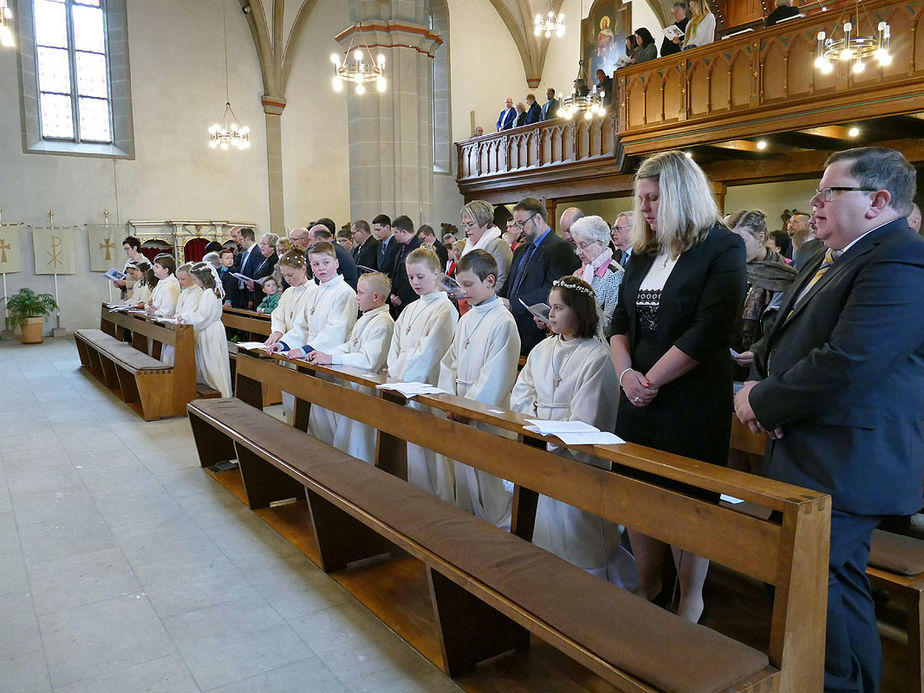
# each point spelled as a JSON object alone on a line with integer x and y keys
{"x": 4, "y": 246}
{"x": 109, "y": 247}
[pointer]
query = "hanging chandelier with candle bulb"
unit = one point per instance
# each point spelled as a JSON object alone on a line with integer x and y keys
{"x": 358, "y": 66}
{"x": 6, "y": 25}
{"x": 549, "y": 23}
{"x": 850, "y": 45}
{"x": 582, "y": 100}
{"x": 228, "y": 132}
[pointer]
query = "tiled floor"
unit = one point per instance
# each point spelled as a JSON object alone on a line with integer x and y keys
{"x": 124, "y": 567}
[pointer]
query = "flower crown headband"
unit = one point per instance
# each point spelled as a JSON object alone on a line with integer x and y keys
{"x": 562, "y": 284}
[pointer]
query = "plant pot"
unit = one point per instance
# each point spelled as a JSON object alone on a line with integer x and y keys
{"x": 32, "y": 330}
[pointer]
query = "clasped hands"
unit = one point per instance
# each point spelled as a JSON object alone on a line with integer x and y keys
{"x": 746, "y": 414}
{"x": 639, "y": 390}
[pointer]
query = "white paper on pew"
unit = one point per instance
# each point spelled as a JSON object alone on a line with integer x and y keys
{"x": 412, "y": 389}
{"x": 549, "y": 428}
{"x": 730, "y": 499}
{"x": 121, "y": 306}
{"x": 594, "y": 437}
{"x": 172, "y": 321}
{"x": 252, "y": 346}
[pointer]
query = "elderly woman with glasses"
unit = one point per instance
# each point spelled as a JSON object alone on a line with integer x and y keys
{"x": 598, "y": 268}
{"x": 481, "y": 234}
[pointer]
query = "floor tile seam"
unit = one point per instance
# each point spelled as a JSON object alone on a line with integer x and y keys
{"x": 270, "y": 671}
{"x": 116, "y": 671}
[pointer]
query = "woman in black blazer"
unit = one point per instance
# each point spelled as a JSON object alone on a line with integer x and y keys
{"x": 676, "y": 318}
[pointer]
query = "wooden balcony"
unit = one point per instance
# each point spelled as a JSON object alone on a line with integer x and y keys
{"x": 716, "y": 100}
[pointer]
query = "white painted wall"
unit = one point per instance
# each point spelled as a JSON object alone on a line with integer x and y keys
{"x": 315, "y": 135}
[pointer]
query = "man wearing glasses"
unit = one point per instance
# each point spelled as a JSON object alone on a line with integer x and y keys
{"x": 621, "y": 233}
{"x": 539, "y": 260}
{"x": 839, "y": 385}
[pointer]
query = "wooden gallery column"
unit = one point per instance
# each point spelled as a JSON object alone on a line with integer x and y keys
{"x": 391, "y": 134}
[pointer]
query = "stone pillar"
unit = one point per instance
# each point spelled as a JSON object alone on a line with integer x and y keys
{"x": 273, "y": 108}
{"x": 391, "y": 134}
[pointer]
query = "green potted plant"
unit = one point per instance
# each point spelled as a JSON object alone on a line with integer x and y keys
{"x": 27, "y": 310}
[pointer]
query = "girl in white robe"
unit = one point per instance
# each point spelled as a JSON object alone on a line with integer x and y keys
{"x": 423, "y": 333}
{"x": 570, "y": 377}
{"x": 212, "y": 364}
{"x": 329, "y": 315}
{"x": 366, "y": 349}
{"x": 294, "y": 271}
{"x": 481, "y": 364}
{"x": 137, "y": 271}
{"x": 164, "y": 297}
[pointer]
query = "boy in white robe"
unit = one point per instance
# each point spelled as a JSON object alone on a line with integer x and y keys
{"x": 329, "y": 313}
{"x": 423, "y": 333}
{"x": 570, "y": 377}
{"x": 366, "y": 349}
{"x": 481, "y": 365}
{"x": 202, "y": 310}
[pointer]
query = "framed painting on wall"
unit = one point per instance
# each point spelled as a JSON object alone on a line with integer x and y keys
{"x": 603, "y": 37}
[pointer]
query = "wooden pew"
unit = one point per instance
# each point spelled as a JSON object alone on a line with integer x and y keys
{"x": 791, "y": 554}
{"x": 896, "y": 564}
{"x": 150, "y": 387}
{"x": 257, "y": 327}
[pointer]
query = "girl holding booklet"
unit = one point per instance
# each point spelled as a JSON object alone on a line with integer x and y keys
{"x": 569, "y": 377}
{"x": 423, "y": 332}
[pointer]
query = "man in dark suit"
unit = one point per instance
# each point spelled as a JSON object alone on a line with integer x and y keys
{"x": 427, "y": 236}
{"x": 539, "y": 260}
{"x": 840, "y": 385}
{"x": 388, "y": 246}
{"x": 365, "y": 247}
{"x": 407, "y": 241}
{"x": 321, "y": 233}
{"x": 533, "y": 110}
{"x": 550, "y": 109}
{"x": 507, "y": 117}
{"x": 250, "y": 259}
{"x": 605, "y": 87}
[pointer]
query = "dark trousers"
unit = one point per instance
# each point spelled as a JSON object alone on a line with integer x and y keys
{"x": 853, "y": 653}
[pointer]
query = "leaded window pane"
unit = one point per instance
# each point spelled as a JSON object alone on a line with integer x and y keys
{"x": 94, "y": 120}
{"x": 57, "y": 118}
{"x": 89, "y": 34}
{"x": 91, "y": 75}
{"x": 50, "y": 23}
{"x": 54, "y": 70}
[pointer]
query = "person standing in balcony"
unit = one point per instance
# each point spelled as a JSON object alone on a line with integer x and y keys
{"x": 784, "y": 10}
{"x": 550, "y": 109}
{"x": 605, "y": 87}
{"x": 701, "y": 29}
{"x": 533, "y": 110}
{"x": 646, "y": 44}
{"x": 681, "y": 19}
{"x": 507, "y": 116}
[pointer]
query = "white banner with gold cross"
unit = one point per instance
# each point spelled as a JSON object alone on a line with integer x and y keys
{"x": 54, "y": 249}
{"x": 105, "y": 247}
{"x": 10, "y": 248}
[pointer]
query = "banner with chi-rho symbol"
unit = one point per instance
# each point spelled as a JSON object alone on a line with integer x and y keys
{"x": 54, "y": 249}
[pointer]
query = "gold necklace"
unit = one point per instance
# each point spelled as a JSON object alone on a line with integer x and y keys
{"x": 471, "y": 333}
{"x": 410, "y": 323}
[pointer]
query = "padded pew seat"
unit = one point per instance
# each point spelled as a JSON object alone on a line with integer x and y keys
{"x": 627, "y": 632}
{"x": 120, "y": 351}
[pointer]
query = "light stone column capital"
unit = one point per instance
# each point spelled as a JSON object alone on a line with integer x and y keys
{"x": 392, "y": 34}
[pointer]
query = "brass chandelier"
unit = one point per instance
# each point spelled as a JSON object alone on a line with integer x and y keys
{"x": 851, "y": 45}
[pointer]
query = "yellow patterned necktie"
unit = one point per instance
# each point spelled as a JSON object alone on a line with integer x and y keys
{"x": 830, "y": 256}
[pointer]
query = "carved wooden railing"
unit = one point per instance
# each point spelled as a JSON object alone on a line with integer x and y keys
{"x": 765, "y": 82}
{"x": 741, "y": 87}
